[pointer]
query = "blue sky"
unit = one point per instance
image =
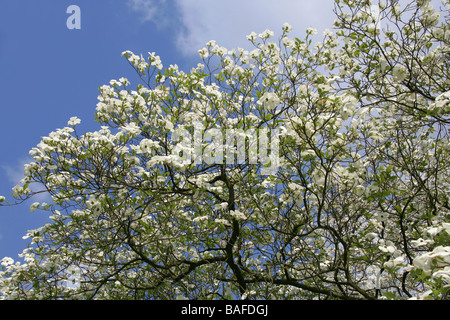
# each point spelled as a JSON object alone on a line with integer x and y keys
{"x": 49, "y": 73}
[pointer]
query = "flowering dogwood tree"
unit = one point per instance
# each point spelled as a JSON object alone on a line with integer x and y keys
{"x": 355, "y": 206}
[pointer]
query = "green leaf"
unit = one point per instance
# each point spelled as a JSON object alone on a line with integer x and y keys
{"x": 390, "y": 295}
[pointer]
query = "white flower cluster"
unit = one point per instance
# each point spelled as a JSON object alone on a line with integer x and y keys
{"x": 269, "y": 100}
{"x": 436, "y": 262}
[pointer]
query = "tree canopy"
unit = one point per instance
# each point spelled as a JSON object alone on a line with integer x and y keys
{"x": 341, "y": 190}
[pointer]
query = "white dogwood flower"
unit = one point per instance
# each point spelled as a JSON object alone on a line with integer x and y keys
{"x": 73, "y": 121}
{"x": 269, "y": 100}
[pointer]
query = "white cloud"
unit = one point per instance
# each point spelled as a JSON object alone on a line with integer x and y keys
{"x": 228, "y": 22}
{"x": 150, "y": 10}
{"x": 16, "y": 173}
{"x": 147, "y": 9}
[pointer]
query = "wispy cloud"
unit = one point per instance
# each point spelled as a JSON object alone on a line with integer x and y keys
{"x": 228, "y": 22}
{"x": 147, "y": 8}
{"x": 15, "y": 173}
{"x": 156, "y": 11}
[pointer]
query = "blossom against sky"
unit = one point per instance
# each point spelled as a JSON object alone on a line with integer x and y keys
{"x": 228, "y": 22}
{"x": 50, "y": 73}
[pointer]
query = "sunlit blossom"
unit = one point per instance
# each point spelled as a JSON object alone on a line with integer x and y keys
{"x": 266, "y": 34}
{"x": 73, "y": 121}
{"x": 269, "y": 100}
